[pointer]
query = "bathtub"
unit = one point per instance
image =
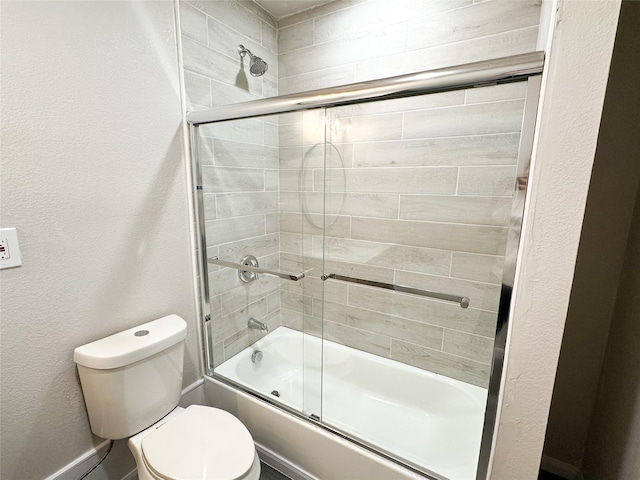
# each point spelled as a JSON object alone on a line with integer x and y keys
{"x": 430, "y": 422}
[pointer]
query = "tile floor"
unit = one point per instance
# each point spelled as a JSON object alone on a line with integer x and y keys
{"x": 270, "y": 473}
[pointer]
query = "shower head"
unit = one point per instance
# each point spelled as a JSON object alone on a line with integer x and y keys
{"x": 257, "y": 66}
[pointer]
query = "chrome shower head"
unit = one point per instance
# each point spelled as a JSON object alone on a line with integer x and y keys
{"x": 257, "y": 66}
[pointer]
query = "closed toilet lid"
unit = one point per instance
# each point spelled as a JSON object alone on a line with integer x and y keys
{"x": 200, "y": 443}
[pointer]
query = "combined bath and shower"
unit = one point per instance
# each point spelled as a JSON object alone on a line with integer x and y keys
{"x": 257, "y": 66}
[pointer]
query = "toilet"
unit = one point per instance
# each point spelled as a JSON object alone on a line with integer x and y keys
{"x": 132, "y": 382}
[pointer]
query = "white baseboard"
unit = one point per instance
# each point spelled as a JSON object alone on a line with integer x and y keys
{"x": 560, "y": 468}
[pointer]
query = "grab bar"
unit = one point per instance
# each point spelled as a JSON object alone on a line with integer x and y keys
{"x": 463, "y": 301}
{"x": 248, "y": 268}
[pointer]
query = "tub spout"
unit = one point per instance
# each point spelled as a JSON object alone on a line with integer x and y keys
{"x": 257, "y": 325}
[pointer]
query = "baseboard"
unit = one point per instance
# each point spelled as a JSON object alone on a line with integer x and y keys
{"x": 560, "y": 468}
{"x": 119, "y": 464}
{"x": 282, "y": 465}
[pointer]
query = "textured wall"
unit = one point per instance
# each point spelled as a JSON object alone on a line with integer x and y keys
{"x": 240, "y": 162}
{"x": 574, "y": 85}
{"x": 614, "y": 436}
{"x": 598, "y": 285}
{"x": 93, "y": 177}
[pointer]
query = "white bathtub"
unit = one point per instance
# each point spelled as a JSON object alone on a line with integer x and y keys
{"x": 430, "y": 421}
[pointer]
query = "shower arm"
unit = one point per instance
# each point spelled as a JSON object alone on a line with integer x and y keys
{"x": 296, "y": 277}
{"x": 462, "y": 301}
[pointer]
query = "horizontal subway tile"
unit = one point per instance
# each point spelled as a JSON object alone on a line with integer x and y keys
{"x": 454, "y": 209}
{"x": 477, "y": 119}
{"x": 359, "y": 204}
{"x": 472, "y": 50}
{"x": 371, "y": 17}
{"x": 318, "y": 11}
{"x": 295, "y": 36}
{"x": 388, "y": 325}
{"x": 327, "y": 77}
{"x": 483, "y": 268}
{"x": 247, "y": 130}
{"x": 241, "y": 154}
{"x": 229, "y": 179}
{"x": 421, "y": 102}
{"x": 246, "y": 203}
{"x": 355, "y": 338}
{"x": 427, "y": 180}
{"x": 209, "y": 201}
{"x": 490, "y": 181}
{"x": 312, "y": 224}
{"x": 256, "y": 246}
{"x": 234, "y": 229}
{"x": 478, "y": 20}
{"x": 496, "y": 93}
{"x": 193, "y": 23}
{"x": 206, "y": 61}
{"x": 469, "y": 346}
{"x": 261, "y": 13}
{"x": 232, "y": 14}
{"x": 270, "y": 37}
{"x": 372, "y": 252}
{"x": 442, "y": 363}
{"x": 225, "y": 40}
{"x": 422, "y": 309}
{"x": 484, "y": 296}
{"x": 388, "y": 40}
{"x": 295, "y": 243}
{"x": 460, "y": 150}
{"x": 225, "y": 94}
{"x": 467, "y": 238}
{"x": 197, "y": 88}
{"x": 366, "y": 128}
{"x": 247, "y": 293}
{"x": 236, "y": 321}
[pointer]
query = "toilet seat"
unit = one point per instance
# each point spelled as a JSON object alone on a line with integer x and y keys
{"x": 200, "y": 443}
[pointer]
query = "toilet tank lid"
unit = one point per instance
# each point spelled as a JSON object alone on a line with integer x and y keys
{"x": 132, "y": 345}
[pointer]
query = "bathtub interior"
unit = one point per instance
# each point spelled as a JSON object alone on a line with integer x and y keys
{"x": 429, "y": 421}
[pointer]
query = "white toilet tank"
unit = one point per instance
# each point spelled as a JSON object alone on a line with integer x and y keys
{"x": 132, "y": 379}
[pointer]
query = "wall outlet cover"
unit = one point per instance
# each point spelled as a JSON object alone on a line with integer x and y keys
{"x": 9, "y": 248}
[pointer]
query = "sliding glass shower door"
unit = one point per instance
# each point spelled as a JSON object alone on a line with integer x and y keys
{"x": 359, "y": 260}
{"x": 419, "y": 194}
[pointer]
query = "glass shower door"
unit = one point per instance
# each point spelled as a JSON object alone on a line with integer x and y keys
{"x": 419, "y": 197}
{"x": 261, "y": 278}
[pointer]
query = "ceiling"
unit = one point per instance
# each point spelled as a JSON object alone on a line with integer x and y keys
{"x": 284, "y": 8}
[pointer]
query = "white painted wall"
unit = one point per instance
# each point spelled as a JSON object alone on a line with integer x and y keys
{"x": 573, "y": 91}
{"x": 93, "y": 177}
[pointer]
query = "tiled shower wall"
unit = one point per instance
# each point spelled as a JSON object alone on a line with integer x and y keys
{"x": 240, "y": 162}
{"x": 253, "y": 207}
{"x": 418, "y": 193}
{"x": 418, "y": 190}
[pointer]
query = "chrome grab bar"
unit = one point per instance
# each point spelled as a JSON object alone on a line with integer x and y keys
{"x": 248, "y": 268}
{"x": 463, "y": 301}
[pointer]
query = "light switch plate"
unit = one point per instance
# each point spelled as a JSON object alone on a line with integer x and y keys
{"x": 9, "y": 248}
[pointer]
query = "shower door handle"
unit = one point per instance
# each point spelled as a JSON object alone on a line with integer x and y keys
{"x": 248, "y": 268}
{"x": 463, "y": 301}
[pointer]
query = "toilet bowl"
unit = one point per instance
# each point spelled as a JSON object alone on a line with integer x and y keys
{"x": 132, "y": 382}
{"x": 195, "y": 443}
